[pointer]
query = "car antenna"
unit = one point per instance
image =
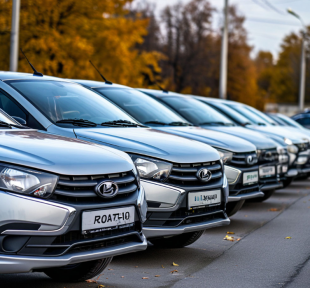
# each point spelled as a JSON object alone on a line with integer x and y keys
{"x": 105, "y": 80}
{"x": 35, "y": 72}
{"x": 162, "y": 89}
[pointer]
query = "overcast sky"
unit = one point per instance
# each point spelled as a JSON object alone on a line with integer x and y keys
{"x": 262, "y": 34}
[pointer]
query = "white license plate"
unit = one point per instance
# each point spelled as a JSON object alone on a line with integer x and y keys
{"x": 205, "y": 198}
{"x": 267, "y": 171}
{"x": 250, "y": 177}
{"x": 102, "y": 220}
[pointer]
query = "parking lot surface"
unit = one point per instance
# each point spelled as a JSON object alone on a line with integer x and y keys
{"x": 271, "y": 248}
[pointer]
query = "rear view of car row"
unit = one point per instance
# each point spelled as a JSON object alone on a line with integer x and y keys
{"x": 91, "y": 170}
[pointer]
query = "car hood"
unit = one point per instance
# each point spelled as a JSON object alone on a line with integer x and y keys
{"x": 213, "y": 138}
{"x": 296, "y": 137}
{"x": 258, "y": 139}
{"x": 150, "y": 142}
{"x": 60, "y": 155}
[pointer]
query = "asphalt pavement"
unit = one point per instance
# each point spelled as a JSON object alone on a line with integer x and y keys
{"x": 271, "y": 248}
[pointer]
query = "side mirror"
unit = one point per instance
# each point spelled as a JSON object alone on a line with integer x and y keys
{"x": 20, "y": 120}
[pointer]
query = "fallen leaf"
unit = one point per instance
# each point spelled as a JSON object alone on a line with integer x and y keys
{"x": 245, "y": 215}
{"x": 157, "y": 275}
{"x": 274, "y": 209}
{"x": 238, "y": 239}
{"x": 91, "y": 281}
{"x": 230, "y": 232}
{"x": 101, "y": 286}
{"x": 162, "y": 266}
{"x": 123, "y": 277}
{"x": 110, "y": 269}
{"x": 174, "y": 264}
{"x": 229, "y": 238}
{"x": 288, "y": 237}
{"x": 145, "y": 277}
{"x": 136, "y": 266}
{"x": 174, "y": 271}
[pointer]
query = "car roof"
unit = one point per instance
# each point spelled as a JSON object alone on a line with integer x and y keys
{"x": 216, "y": 100}
{"x": 97, "y": 84}
{"x": 160, "y": 93}
{"x": 8, "y": 75}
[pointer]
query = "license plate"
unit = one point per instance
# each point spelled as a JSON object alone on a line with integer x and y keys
{"x": 250, "y": 178}
{"x": 267, "y": 171}
{"x": 110, "y": 219}
{"x": 204, "y": 198}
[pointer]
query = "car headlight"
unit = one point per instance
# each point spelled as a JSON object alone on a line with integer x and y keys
{"x": 258, "y": 153}
{"x": 292, "y": 149}
{"x": 27, "y": 181}
{"x": 283, "y": 156}
{"x": 288, "y": 141}
{"x": 152, "y": 168}
{"x": 225, "y": 156}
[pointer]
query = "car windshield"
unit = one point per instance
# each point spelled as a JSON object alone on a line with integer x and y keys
{"x": 277, "y": 120}
{"x": 196, "y": 112}
{"x": 60, "y": 101}
{"x": 248, "y": 114}
{"x": 237, "y": 117}
{"x": 140, "y": 106}
{"x": 289, "y": 121}
{"x": 266, "y": 118}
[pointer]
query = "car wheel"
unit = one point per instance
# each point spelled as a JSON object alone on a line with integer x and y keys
{"x": 78, "y": 272}
{"x": 178, "y": 241}
{"x": 233, "y": 207}
{"x": 287, "y": 182}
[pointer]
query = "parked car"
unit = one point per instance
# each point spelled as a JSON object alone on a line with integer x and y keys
{"x": 65, "y": 207}
{"x": 297, "y": 143}
{"x": 183, "y": 197}
{"x": 303, "y": 118}
{"x": 272, "y": 168}
{"x": 242, "y": 174}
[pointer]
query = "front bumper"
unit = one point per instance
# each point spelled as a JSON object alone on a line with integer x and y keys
{"x": 168, "y": 212}
{"x": 37, "y": 233}
{"x": 237, "y": 190}
{"x": 23, "y": 264}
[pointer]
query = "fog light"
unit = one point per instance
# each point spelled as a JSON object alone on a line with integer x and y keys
{"x": 301, "y": 160}
{"x": 232, "y": 174}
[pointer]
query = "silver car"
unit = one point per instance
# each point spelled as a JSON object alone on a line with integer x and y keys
{"x": 184, "y": 181}
{"x": 66, "y": 206}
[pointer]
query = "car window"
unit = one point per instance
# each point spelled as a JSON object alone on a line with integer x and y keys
{"x": 303, "y": 121}
{"x": 10, "y": 107}
{"x": 59, "y": 100}
{"x": 196, "y": 112}
{"x": 261, "y": 115}
{"x": 139, "y": 105}
{"x": 248, "y": 114}
{"x": 289, "y": 121}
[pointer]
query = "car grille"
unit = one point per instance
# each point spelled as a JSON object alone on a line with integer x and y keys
{"x": 80, "y": 188}
{"x": 268, "y": 156}
{"x": 184, "y": 175}
{"x": 242, "y": 159}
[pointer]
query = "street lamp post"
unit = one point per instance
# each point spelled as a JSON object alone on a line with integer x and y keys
{"x": 302, "y": 84}
{"x": 14, "y": 36}
{"x": 224, "y": 51}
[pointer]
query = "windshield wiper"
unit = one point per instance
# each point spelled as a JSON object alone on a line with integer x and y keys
{"x": 78, "y": 122}
{"x": 179, "y": 123}
{"x": 261, "y": 124}
{"x": 8, "y": 125}
{"x": 212, "y": 123}
{"x": 246, "y": 123}
{"x": 120, "y": 122}
{"x": 156, "y": 122}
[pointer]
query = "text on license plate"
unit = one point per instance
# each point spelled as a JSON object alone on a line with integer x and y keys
{"x": 267, "y": 171}
{"x": 204, "y": 198}
{"x": 250, "y": 177}
{"x": 101, "y": 220}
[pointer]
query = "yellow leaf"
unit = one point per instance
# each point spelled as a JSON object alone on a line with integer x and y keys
{"x": 101, "y": 286}
{"x": 162, "y": 266}
{"x": 288, "y": 237}
{"x": 157, "y": 275}
{"x": 174, "y": 264}
{"x": 229, "y": 238}
{"x": 274, "y": 209}
{"x": 230, "y": 232}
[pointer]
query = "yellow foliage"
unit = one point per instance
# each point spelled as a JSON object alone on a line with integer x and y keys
{"x": 59, "y": 37}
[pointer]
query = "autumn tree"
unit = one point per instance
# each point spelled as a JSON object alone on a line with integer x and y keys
{"x": 59, "y": 36}
{"x": 286, "y": 75}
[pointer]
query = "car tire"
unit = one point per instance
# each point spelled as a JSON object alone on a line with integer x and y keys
{"x": 178, "y": 241}
{"x": 287, "y": 182}
{"x": 233, "y": 207}
{"x": 78, "y": 272}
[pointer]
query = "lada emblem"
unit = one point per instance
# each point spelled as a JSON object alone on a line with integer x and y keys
{"x": 106, "y": 189}
{"x": 250, "y": 159}
{"x": 204, "y": 174}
